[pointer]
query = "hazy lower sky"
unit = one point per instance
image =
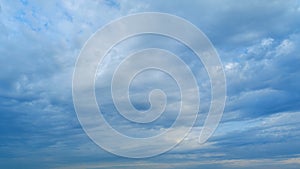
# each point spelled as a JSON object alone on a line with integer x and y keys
{"x": 258, "y": 44}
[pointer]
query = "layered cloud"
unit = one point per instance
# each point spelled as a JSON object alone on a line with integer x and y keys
{"x": 258, "y": 43}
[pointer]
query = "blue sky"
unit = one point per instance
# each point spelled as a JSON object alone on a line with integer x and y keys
{"x": 258, "y": 43}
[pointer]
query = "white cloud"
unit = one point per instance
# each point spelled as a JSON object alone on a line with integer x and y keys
{"x": 40, "y": 43}
{"x": 285, "y": 47}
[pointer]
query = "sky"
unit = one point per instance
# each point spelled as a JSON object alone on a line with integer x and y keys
{"x": 258, "y": 45}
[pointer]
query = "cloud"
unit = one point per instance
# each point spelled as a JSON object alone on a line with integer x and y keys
{"x": 258, "y": 45}
{"x": 262, "y": 79}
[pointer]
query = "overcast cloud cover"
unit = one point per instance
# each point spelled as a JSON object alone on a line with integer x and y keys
{"x": 258, "y": 43}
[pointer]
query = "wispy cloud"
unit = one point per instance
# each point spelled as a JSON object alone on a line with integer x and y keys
{"x": 258, "y": 45}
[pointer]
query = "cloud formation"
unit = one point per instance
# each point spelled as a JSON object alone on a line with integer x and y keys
{"x": 258, "y": 45}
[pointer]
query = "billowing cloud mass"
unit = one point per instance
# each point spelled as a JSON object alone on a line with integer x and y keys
{"x": 258, "y": 43}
